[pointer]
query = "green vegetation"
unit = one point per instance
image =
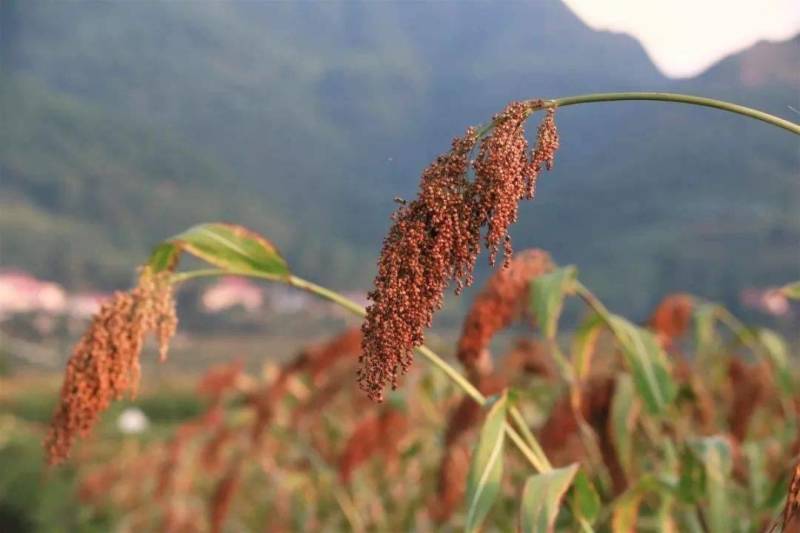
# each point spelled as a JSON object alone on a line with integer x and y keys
{"x": 34, "y": 498}
{"x": 147, "y": 116}
{"x": 81, "y": 191}
{"x": 688, "y": 423}
{"x": 322, "y": 126}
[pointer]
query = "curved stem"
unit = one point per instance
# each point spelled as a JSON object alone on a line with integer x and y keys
{"x": 676, "y": 98}
{"x": 528, "y": 445}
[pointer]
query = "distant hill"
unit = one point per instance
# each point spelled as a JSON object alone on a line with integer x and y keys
{"x": 311, "y": 117}
{"x": 83, "y": 193}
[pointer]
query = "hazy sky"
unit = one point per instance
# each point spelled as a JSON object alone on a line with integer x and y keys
{"x": 683, "y": 37}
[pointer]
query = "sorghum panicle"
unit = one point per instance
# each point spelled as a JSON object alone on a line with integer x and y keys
{"x": 499, "y": 303}
{"x": 220, "y": 503}
{"x": 504, "y": 175}
{"x": 430, "y": 243}
{"x": 435, "y": 239}
{"x": 750, "y": 389}
{"x": 672, "y": 318}
{"x": 528, "y": 356}
{"x": 378, "y": 433}
{"x": 105, "y": 363}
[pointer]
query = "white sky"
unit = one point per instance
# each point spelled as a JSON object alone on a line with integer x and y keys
{"x": 684, "y": 37}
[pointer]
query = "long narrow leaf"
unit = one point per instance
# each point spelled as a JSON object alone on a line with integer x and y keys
{"x": 586, "y": 501}
{"x": 715, "y": 455}
{"x": 625, "y": 512}
{"x": 778, "y": 354}
{"x": 624, "y": 411}
{"x": 547, "y": 297}
{"x": 486, "y": 469}
{"x": 226, "y": 246}
{"x": 792, "y": 290}
{"x": 541, "y": 499}
{"x": 647, "y": 362}
{"x": 706, "y": 336}
{"x": 583, "y": 345}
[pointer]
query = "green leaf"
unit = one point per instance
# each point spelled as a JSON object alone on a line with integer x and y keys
{"x": 164, "y": 257}
{"x": 547, "y": 297}
{"x": 776, "y": 495}
{"x": 486, "y": 468}
{"x": 691, "y": 484}
{"x": 583, "y": 344}
{"x": 792, "y": 290}
{"x": 758, "y": 480}
{"x": 648, "y": 364}
{"x": 778, "y": 354}
{"x": 625, "y": 512}
{"x": 716, "y": 456}
{"x": 706, "y": 337}
{"x": 664, "y": 514}
{"x": 232, "y": 248}
{"x": 541, "y": 499}
{"x": 586, "y": 501}
{"x": 624, "y": 411}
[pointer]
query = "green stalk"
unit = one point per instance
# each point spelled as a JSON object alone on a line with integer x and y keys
{"x": 528, "y": 445}
{"x": 676, "y": 98}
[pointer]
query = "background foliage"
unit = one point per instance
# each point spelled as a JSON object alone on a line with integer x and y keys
{"x": 322, "y": 126}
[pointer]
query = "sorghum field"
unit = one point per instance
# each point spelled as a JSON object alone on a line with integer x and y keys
{"x": 687, "y": 422}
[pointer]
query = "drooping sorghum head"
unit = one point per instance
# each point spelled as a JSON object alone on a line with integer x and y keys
{"x": 220, "y": 503}
{"x": 501, "y": 300}
{"x": 378, "y": 433}
{"x": 435, "y": 239}
{"x": 672, "y": 318}
{"x": 105, "y": 362}
{"x": 431, "y": 242}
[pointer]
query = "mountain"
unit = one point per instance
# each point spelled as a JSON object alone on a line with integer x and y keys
{"x": 83, "y": 192}
{"x": 305, "y": 119}
{"x": 681, "y": 198}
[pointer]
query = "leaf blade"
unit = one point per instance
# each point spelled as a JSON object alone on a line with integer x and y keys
{"x": 541, "y": 499}
{"x": 232, "y": 248}
{"x": 486, "y": 467}
{"x": 648, "y": 364}
{"x": 547, "y": 297}
{"x": 791, "y": 290}
{"x": 624, "y": 412}
{"x": 583, "y": 345}
{"x": 586, "y": 501}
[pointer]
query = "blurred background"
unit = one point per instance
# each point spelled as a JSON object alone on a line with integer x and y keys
{"x": 126, "y": 122}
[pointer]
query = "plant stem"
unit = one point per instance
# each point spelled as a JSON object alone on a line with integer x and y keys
{"x": 676, "y": 98}
{"x": 529, "y": 446}
{"x": 592, "y": 301}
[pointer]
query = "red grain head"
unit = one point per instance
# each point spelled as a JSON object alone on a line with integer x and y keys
{"x": 500, "y": 302}
{"x": 105, "y": 363}
{"x": 220, "y": 379}
{"x": 377, "y": 433}
{"x": 435, "y": 239}
{"x": 672, "y": 318}
{"x": 451, "y": 483}
{"x": 531, "y": 357}
{"x": 222, "y": 497}
{"x": 750, "y": 386}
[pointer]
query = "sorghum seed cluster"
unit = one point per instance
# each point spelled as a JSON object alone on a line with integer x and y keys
{"x": 435, "y": 239}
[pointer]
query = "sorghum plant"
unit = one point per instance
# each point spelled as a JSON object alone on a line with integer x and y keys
{"x": 626, "y": 434}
